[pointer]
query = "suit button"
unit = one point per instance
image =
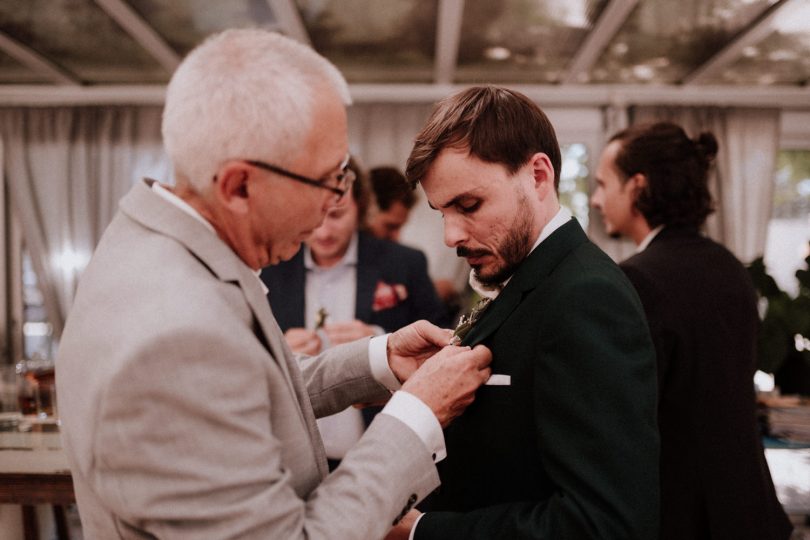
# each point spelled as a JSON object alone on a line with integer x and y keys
{"x": 412, "y": 499}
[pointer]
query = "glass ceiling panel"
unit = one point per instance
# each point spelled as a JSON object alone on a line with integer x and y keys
{"x": 663, "y": 40}
{"x": 80, "y": 37}
{"x": 185, "y": 24}
{"x": 781, "y": 58}
{"x": 12, "y": 71}
{"x": 526, "y": 41}
{"x": 372, "y": 41}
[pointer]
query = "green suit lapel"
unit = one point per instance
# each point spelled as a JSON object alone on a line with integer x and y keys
{"x": 537, "y": 266}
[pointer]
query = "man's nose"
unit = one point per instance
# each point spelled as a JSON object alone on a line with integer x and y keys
{"x": 454, "y": 232}
{"x": 595, "y": 201}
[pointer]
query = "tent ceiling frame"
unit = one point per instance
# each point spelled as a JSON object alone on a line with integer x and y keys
{"x": 613, "y": 17}
{"x": 142, "y": 32}
{"x": 35, "y": 61}
{"x": 595, "y": 95}
{"x": 754, "y": 33}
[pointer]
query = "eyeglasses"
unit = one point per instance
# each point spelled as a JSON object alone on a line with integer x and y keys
{"x": 342, "y": 178}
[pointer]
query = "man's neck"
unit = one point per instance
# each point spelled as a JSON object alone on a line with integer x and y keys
{"x": 639, "y": 230}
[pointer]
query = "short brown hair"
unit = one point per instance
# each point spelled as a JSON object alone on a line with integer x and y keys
{"x": 498, "y": 125}
{"x": 390, "y": 186}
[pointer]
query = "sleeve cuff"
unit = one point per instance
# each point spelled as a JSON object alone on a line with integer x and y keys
{"x": 413, "y": 529}
{"x": 416, "y": 415}
{"x": 378, "y": 361}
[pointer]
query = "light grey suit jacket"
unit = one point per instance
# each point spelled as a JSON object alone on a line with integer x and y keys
{"x": 185, "y": 415}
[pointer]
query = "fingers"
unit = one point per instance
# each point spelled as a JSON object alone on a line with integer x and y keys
{"x": 482, "y": 355}
{"x": 433, "y": 334}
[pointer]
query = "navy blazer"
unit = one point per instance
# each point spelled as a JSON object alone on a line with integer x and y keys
{"x": 377, "y": 261}
{"x": 702, "y": 311}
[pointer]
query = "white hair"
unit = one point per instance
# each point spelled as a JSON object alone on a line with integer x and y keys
{"x": 243, "y": 94}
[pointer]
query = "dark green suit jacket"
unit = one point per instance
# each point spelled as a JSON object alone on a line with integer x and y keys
{"x": 569, "y": 449}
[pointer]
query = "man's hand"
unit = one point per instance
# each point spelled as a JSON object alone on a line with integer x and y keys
{"x": 408, "y": 347}
{"x": 345, "y": 332}
{"x": 402, "y": 530}
{"x": 446, "y": 382}
{"x": 303, "y": 341}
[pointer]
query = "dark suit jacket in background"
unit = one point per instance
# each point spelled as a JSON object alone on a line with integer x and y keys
{"x": 377, "y": 260}
{"x": 702, "y": 312}
{"x": 569, "y": 450}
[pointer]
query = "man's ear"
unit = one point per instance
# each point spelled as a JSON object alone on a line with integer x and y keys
{"x": 231, "y": 186}
{"x": 639, "y": 183}
{"x": 543, "y": 173}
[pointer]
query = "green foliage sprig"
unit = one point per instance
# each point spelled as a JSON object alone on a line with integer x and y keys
{"x": 784, "y": 317}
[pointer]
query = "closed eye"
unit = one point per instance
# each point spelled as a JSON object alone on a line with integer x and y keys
{"x": 469, "y": 208}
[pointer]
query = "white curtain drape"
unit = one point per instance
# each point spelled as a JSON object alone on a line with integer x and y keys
{"x": 383, "y": 134}
{"x": 66, "y": 169}
{"x": 746, "y": 161}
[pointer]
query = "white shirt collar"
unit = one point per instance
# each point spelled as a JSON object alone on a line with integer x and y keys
{"x": 191, "y": 211}
{"x": 562, "y": 217}
{"x": 181, "y": 204}
{"x": 349, "y": 258}
{"x": 649, "y": 238}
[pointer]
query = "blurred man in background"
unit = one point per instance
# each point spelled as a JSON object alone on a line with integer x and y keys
{"x": 345, "y": 285}
{"x": 391, "y": 205}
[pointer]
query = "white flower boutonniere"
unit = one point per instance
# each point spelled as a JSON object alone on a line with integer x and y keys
{"x": 466, "y": 322}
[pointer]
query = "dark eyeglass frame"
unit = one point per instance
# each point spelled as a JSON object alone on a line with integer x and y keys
{"x": 346, "y": 176}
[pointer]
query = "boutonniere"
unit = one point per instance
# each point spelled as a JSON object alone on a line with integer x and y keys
{"x": 467, "y": 321}
{"x": 388, "y": 295}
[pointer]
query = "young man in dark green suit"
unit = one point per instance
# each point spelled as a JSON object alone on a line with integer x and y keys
{"x": 562, "y": 441}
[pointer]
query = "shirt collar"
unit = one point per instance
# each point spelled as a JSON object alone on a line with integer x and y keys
{"x": 562, "y": 217}
{"x": 349, "y": 258}
{"x": 191, "y": 211}
{"x": 649, "y": 238}
{"x": 181, "y": 204}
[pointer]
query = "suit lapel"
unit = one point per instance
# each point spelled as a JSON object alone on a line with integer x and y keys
{"x": 155, "y": 213}
{"x": 537, "y": 266}
{"x": 367, "y": 277}
{"x": 287, "y": 291}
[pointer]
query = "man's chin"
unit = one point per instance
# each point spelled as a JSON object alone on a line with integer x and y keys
{"x": 286, "y": 254}
{"x": 489, "y": 278}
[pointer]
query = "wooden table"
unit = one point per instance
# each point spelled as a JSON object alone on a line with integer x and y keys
{"x": 34, "y": 470}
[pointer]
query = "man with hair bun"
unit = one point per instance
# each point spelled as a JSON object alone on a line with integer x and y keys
{"x": 652, "y": 187}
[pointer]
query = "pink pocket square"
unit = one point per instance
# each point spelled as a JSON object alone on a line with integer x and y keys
{"x": 387, "y": 296}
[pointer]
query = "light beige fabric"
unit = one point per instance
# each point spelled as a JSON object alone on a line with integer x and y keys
{"x": 186, "y": 416}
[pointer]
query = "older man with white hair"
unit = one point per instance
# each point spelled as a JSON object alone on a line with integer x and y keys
{"x": 185, "y": 415}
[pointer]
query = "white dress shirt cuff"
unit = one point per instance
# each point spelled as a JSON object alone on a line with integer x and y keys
{"x": 413, "y": 529}
{"x": 378, "y": 360}
{"x": 416, "y": 415}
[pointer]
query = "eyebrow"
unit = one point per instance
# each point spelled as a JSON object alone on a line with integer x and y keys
{"x": 455, "y": 199}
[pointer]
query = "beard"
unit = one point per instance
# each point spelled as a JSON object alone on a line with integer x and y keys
{"x": 513, "y": 250}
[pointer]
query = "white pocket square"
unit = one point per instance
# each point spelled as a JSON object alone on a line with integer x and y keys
{"x": 499, "y": 380}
